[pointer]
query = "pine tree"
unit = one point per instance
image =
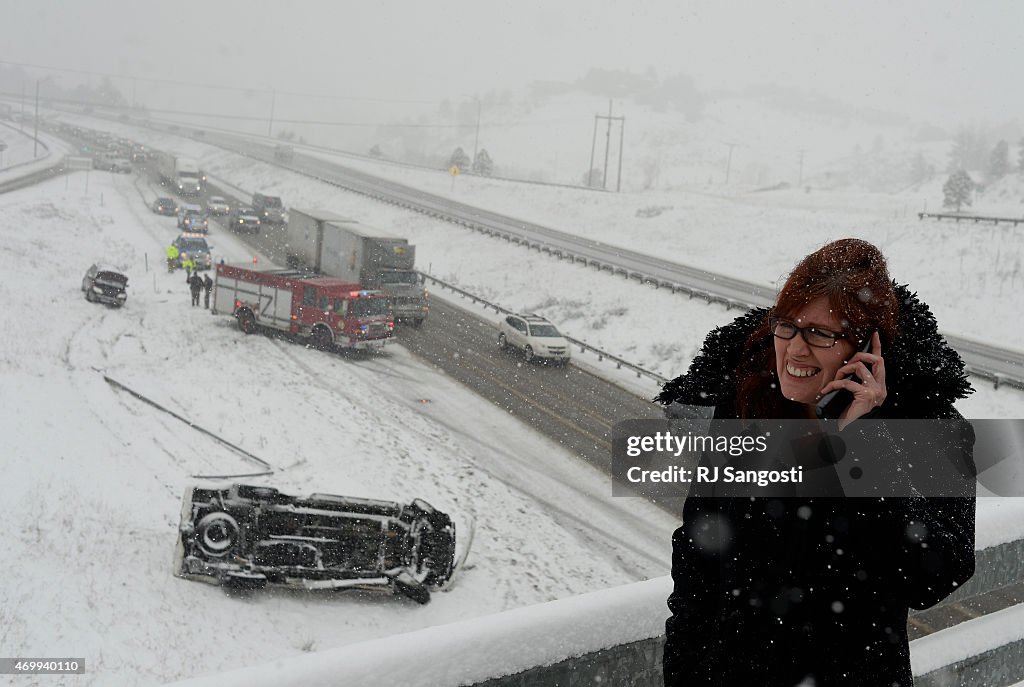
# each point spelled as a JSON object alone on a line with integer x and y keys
{"x": 483, "y": 165}
{"x": 375, "y": 151}
{"x": 1020, "y": 157}
{"x": 459, "y": 159}
{"x": 957, "y": 190}
{"x": 999, "y": 160}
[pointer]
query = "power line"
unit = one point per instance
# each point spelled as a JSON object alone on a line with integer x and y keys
{"x": 311, "y": 122}
{"x": 217, "y": 87}
{"x": 262, "y": 89}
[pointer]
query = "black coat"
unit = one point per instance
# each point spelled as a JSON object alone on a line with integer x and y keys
{"x": 775, "y": 591}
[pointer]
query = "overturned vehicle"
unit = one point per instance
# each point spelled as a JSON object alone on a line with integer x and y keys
{"x": 249, "y": 536}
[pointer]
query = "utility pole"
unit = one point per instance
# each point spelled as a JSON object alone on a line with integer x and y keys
{"x": 476, "y": 140}
{"x": 801, "y": 154}
{"x": 728, "y": 164}
{"x": 35, "y": 134}
{"x": 607, "y": 148}
{"x": 593, "y": 145}
{"x": 270, "y": 125}
{"x": 622, "y": 136}
{"x": 135, "y": 83}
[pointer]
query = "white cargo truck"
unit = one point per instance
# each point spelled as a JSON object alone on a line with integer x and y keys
{"x": 180, "y": 174}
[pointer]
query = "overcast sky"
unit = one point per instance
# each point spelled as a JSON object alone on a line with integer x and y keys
{"x": 949, "y": 60}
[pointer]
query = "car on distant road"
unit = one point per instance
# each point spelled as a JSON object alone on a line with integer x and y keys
{"x": 165, "y": 206}
{"x": 192, "y": 245}
{"x": 269, "y": 208}
{"x": 244, "y": 220}
{"x": 537, "y": 338}
{"x": 111, "y": 163}
{"x": 193, "y": 218}
{"x": 121, "y": 165}
{"x": 217, "y": 205}
{"x": 105, "y": 285}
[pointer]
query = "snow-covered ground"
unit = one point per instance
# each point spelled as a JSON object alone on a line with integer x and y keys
{"x": 19, "y": 145}
{"x": 23, "y": 156}
{"x": 94, "y": 479}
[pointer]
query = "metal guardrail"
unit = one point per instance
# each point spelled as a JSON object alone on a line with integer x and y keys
{"x": 974, "y": 218}
{"x": 267, "y": 468}
{"x": 582, "y": 345}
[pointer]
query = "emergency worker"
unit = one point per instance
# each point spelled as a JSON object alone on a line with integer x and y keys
{"x": 195, "y": 283}
{"x": 208, "y": 287}
{"x": 172, "y": 257}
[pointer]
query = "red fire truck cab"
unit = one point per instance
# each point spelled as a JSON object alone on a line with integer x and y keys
{"x": 327, "y": 311}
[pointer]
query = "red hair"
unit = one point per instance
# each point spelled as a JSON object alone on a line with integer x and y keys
{"x": 852, "y": 274}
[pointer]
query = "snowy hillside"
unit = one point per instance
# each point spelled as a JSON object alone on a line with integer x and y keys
{"x": 773, "y": 137}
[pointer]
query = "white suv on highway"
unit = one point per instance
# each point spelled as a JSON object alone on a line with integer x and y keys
{"x": 535, "y": 337}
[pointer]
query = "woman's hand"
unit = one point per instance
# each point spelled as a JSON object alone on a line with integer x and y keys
{"x": 870, "y": 392}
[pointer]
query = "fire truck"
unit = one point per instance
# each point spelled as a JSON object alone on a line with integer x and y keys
{"x": 328, "y": 312}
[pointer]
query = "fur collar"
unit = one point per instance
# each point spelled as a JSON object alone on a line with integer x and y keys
{"x": 924, "y": 376}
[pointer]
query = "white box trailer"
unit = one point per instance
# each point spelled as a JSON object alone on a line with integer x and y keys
{"x": 181, "y": 174}
{"x": 332, "y": 244}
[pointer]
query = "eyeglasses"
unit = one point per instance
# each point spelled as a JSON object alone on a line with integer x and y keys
{"x": 819, "y": 338}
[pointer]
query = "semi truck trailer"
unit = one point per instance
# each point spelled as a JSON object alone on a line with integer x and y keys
{"x": 328, "y": 243}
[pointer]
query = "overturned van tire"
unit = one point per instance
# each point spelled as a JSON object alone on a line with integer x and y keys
{"x": 407, "y": 585}
{"x": 243, "y": 583}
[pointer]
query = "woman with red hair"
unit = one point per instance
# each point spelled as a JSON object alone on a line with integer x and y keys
{"x": 816, "y": 591}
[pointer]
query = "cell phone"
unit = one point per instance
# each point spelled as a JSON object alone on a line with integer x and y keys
{"x": 832, "y": 404}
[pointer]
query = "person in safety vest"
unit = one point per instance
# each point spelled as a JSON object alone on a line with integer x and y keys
{"x": 172, "y": 257}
